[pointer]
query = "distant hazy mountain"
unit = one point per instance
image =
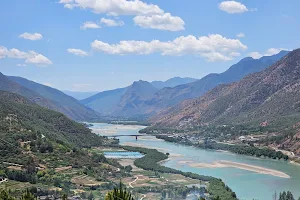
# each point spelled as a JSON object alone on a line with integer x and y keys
{"x": 134, "y": 96}
{"x": 79, "y": 95}
{"x": 270, "y": 96}
{"x": 172, "y": 82}
{"x": 105, "y": 102}
{"x": 111, "y": 102}
{"x": 55, "y": 99}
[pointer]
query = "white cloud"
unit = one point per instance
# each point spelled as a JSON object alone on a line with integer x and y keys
{"x": 233, "y": 7}
{"x": 21, "y": 65}
{"x": 255, "y": 55}
{"x": 269, "y": 52}
{"x": 111, "y": 22}
{"x": 31, "y": 36}
{"x": 29, "y": 57}
{"x": 77, "y": 52}
{"x": 115, "y": 7}
{"x": 212, "y": 47}
{"x": 240, "y": 35}
{"x": 147, "y": 15}
{"x": 161, "y": 22}
{"x": 87, "y": 25}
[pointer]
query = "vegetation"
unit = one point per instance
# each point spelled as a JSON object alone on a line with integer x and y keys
{"x": 119, "y": 193}
{"x": 216, "y": 188}
{"x": 239, "y": 149}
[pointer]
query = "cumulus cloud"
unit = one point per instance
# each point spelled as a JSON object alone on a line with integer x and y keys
{"x": 77, "y": 52}
{"x": 115, "y": 7}
{"x": 161, "y": 22}
{"x": 240, "y": 35}
{"x": 147, "y": 15}
{"x": 89, "y": 25}
{"x": 111, "y": 22}
{"x": 31, "y": 36}
{"x": 233, "y": 7}
{"x": 213, "y": 47}
{"x": 31, "y": 57}
{"x": 269, "y": 52}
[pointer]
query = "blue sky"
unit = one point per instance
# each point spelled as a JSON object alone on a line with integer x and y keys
{"x": 46, "y": 40}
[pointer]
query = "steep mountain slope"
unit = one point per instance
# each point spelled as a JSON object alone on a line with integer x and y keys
{"x": 11, "y": 86}
{"x": 134, "y": 96}
{"x": 268, "y": 96}
{"x": 79, "y": 95}
{"x": 30, "y": 118}
{"x": 105, "y": 102}
{"x": 60, "y": 101}
{"x": 173, "y": 82}
{"x": 170, "y": 96}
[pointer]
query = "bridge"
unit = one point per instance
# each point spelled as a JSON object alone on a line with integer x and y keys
{"x": 134, "y": 135}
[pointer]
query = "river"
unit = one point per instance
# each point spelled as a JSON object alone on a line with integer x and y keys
{"x": 248, "y": 185}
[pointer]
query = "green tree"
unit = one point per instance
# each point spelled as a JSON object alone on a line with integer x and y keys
{"x": 119, "y": 194}
{"x": 28, "y": 196}
{"x": 64, "y": 197}
{"x": 5, "y": 196}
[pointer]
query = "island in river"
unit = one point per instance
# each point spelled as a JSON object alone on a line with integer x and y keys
{"x": 242, "y": 181}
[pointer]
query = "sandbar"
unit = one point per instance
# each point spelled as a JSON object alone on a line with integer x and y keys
{"x": 243, "y": 166}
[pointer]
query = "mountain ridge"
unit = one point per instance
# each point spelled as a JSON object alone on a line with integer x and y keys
{"x": 47, "y": 97}
{"x": 258, "y": 98}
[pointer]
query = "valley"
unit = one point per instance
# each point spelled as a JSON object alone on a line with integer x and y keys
{"x": 280, "y": 174}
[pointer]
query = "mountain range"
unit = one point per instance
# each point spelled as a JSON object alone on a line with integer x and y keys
{"x": 140, "y": 99}
{"x": 113, "y": 102}
{"x": 47, "y": 97}
{"x": 263, "y": 98}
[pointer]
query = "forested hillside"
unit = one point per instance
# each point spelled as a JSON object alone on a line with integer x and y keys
{"x": 21, "y": 121}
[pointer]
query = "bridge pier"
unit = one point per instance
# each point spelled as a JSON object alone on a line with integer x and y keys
{"x": 136, "y": 138}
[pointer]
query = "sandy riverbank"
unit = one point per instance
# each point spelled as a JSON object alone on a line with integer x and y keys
{"x": 113, "y": 129}
{"x": 224, "y": 163}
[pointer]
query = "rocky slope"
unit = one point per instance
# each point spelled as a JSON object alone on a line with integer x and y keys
{"x": 269, "y": 96}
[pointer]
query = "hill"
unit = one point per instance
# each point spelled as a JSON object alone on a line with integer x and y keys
{"x": 29, "y": 117}
{"x": 55, "y": 99}
{"x": 270, "y": 97}
{"x": 22, "y": 120}
{"x": 105, "y": 102}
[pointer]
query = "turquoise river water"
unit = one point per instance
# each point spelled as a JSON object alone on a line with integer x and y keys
{"x": 248, "y": 185}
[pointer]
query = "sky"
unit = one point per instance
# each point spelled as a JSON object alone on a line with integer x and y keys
{"x": 96, "y": 45}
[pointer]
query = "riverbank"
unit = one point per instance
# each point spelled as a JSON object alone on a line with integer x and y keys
{"x": 243, "y": 166}
{"x": 217, "y": 164}
{"x": 217, "y": 188}
{"x": 115, "y": 128}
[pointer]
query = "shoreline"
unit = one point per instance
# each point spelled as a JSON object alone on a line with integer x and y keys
{"x": 243, "y": 166}
{"x": 217, "y": 164}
